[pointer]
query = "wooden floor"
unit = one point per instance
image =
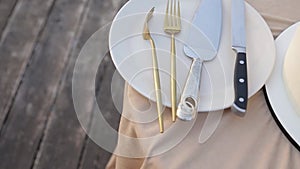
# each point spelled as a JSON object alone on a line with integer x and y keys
{"x": 39, "y": 43}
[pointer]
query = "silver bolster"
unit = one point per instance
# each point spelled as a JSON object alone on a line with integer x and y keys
{"x": 239, "y": 49}
{"x": 188, "y": 105}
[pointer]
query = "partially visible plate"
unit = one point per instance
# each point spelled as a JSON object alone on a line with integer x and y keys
{"x": 276, "y": 91}
{"x": 131, "y": 54}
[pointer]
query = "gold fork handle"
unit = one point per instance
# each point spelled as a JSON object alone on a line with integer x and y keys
{"x": 157, "y": 86}
{"x": 173, "y": 78}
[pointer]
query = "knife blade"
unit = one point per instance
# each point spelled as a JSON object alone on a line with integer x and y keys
{"x": 239, "y": 46}
{"x": 202, "y": 45}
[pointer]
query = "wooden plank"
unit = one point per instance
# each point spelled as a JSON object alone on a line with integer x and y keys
{"x": 16, "y": 47}
{"x": 104, "y": 94}
{"x": 22, "y": 133}
{"x": 64, "y": 138}
{"x": 94, "y": 156}
{"x": 62, "y": 143}
{"x": 6, "y": 9}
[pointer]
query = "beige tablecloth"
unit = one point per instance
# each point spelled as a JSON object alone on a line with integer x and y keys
{"x": 254, "y": 141}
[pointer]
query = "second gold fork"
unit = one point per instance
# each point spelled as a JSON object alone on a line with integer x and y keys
{"x": 172, "y": 26}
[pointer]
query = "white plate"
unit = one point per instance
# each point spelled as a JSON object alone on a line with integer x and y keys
{"x": 276, "y": 91}
{"x": 131, "y": 54}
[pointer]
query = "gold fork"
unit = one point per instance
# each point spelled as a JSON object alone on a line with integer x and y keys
{"x": 147, "y": 36}
{"x": 172, "y": 26}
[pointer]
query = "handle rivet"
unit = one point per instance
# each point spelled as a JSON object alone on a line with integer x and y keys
{"x": 242, "y": 62}
{"x": 241, "y": 99}
{"x": 241, "y": 80}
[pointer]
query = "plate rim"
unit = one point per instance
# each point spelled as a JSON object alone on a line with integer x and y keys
{"x": 273, "y": 107}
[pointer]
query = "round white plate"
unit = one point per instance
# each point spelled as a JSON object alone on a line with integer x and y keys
{"x": 276, "y": 91}
{"x": 132, "y": 57}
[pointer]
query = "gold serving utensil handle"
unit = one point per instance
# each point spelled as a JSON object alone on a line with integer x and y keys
{"x": 147, "y": 36}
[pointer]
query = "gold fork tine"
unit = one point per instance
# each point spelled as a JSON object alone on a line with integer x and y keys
{"x": 167, "y": 15}
{"x": 171, "y": 12}
{"x": 174, "y": 13}
{"x": 178, "y": 13}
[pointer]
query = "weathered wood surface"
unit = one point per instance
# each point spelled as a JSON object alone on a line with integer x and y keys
{"x": 39, "y": 43}
{"x": 16, "y": 47}
{"x": 21, "y": 135}
{"x": 94, "y": 156}
{"x": 6, "y": 9}
{"x": 66, "y": 146}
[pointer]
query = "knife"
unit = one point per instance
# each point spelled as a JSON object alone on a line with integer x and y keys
{"x": 239, "y": 46}
{"x": 202, "y": 45}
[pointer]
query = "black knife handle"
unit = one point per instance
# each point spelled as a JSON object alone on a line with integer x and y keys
{"x": 240, "y": 85}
